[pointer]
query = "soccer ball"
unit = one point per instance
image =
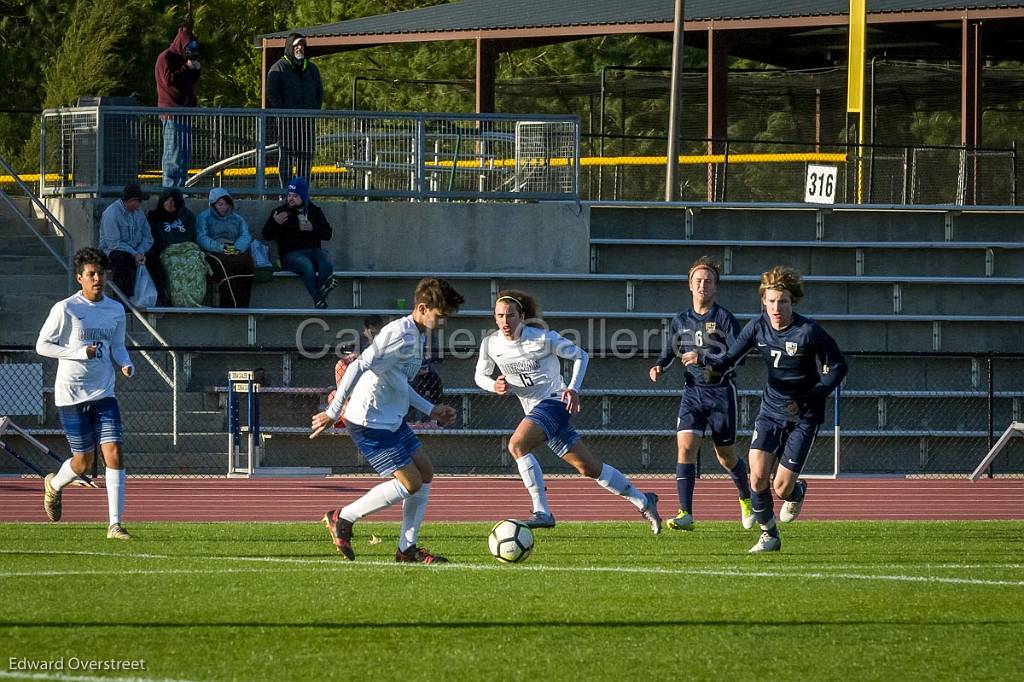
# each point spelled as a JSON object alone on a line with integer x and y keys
{"x": 510, "y": 541}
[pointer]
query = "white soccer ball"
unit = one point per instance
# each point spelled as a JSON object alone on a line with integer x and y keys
{"x": 510, "y": 541}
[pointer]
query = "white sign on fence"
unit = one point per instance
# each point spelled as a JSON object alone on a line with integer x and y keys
{"x": 821, "y": 184}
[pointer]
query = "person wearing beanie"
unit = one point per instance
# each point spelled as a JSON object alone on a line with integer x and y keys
{"x": 125, "y": 237}
{"x": 223, "y": 233}
{"x": 176, "y": 73}
{"x": 293, "y": 82}
{"x": 299, "y": 226}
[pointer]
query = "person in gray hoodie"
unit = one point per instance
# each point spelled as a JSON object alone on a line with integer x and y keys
{"x": 125, "y": 237}
{"x": 223, "y": 233}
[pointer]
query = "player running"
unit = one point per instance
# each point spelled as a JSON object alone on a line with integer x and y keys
{"x": 709, "y": 398}
{"x": 527, "y": 360}
{"x": 377, "y": 388}
{"x": 85, "y": 332}
{"x": 804, "y": 367}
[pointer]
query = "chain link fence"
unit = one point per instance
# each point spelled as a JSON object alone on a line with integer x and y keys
{"x": 904, "y": 414}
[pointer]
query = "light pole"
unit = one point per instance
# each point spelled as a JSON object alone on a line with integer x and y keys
{"x": 674, "y": 106}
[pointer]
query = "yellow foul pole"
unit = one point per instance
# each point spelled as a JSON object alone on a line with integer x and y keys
{"x": 855, "y": 81}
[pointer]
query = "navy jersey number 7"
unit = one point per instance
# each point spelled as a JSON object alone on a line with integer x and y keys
{"x": 804, "y": 364}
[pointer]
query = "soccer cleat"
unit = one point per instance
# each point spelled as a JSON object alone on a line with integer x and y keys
{"x": 418, "y": 555}
{"x": 746, "y": 513}
{"x": 341, "y": 533}
{"x": 791, "y": 510}
{"x": 650, "y": 512}
{"x": 682, "y": 521}
{"x": 540, "y": 519}
{"x": 51, "y": 499}
{"x": 117, "y": 532}
{"x": 767, "y": 543}
{"x": 328, "y": 286}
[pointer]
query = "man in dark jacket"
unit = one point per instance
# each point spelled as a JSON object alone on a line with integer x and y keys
{"x": 177, "y": 72}
{"x": 293, "y": 82}
{"x": 299, "y": 225}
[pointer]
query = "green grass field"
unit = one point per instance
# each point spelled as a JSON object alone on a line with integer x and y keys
{"x": 274, "y": 601}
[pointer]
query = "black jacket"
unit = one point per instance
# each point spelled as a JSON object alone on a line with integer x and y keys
{"x": 288, "y": 235}
{"x": 294, "y": 85}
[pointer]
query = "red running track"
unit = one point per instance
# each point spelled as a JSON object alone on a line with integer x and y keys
{"x": 490, "y": 498}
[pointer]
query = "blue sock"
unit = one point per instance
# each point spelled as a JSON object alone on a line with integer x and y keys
{"x": 686, "y": 478}
{"x": 762, "y": 506}
{"x": 740, "y": 478}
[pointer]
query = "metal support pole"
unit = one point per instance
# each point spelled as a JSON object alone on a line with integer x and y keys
{"x": 991, "y": 407}
{"x": 675, "y": 108}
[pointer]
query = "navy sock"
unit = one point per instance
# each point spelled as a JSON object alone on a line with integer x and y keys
{"x": 762, "y": 505}
{"x": 740, "y": 478}
{"x": 686, "y": 478}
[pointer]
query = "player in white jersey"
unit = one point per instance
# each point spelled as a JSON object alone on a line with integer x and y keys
{"x": 377, "y": 388}
{"x": 527, "y": 360}
{"x": 85, "y": 332}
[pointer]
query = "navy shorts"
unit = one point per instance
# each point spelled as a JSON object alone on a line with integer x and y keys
{"x": 789, "y": 441}
{"x": 386, "y": 451}
{"x": 553, "y": 417}
{"x": 91, "y": 423}
{"x": 714, "y": 406}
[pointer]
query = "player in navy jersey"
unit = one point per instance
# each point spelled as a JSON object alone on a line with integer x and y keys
{"x": 709, "y": 398}
{"x": 804, "y": 367}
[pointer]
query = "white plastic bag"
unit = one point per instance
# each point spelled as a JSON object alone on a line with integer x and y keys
{"x": 260, "y": 254}
{"x": 145, "y": 289}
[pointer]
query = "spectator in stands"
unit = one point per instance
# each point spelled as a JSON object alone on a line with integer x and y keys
{"x": 177, "y": 72}
{"x": 371, "y": 327}
{"x": 224, "y": 235}
{"x": 176, "y": 263}
{"x": 125, "y": 237}
{"x": 299, "y": 227}
{"x": 293, "y": 82}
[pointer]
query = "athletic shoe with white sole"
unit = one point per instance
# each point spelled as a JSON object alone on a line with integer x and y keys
{"x": 682, "y": 521}
{"x": 767, "y": 543}
{"x": 117, "y": 532}
{"x": 746, "y": 513}
{"x": 51, "y": 499}
{"x": 650, "y": 512}
{"x": 791, "y": 510}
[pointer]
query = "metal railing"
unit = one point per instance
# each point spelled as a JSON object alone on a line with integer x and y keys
{"x": 420, "y": 156}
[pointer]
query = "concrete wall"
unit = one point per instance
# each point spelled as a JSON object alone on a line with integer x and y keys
{"x": 407, "y": 236}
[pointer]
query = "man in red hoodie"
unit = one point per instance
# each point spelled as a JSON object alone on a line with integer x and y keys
{"x": 177, "y": 71}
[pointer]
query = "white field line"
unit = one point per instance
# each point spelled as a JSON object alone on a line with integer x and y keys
{"x": 639, "y": 570}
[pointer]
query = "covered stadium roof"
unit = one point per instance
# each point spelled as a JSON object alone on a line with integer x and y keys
{"x": 523, "y": 18}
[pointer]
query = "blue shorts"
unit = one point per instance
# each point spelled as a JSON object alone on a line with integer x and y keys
{"x": 702, "y": 406}
{"x": 789, "y": 441}
{"x": 91, "y": 423}
{"x": 386, "y": 451}
{"x": 553, "y": 417}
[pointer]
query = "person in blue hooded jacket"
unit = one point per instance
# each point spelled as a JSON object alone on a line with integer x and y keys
{"x": 223, "y": 233}
{"x": 299, "y": 227}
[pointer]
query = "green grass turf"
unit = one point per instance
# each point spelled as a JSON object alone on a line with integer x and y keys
{"x": 596, "y": 601}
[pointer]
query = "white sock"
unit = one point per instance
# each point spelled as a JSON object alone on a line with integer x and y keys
{"x": 379, "y": 497}
{"x": 64, "y": 476}
{"x": 115, "y": 494}
{"x": 612, "y": 479}
{"x": 533, "y": 479}
{"x": 413, "y": 509}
